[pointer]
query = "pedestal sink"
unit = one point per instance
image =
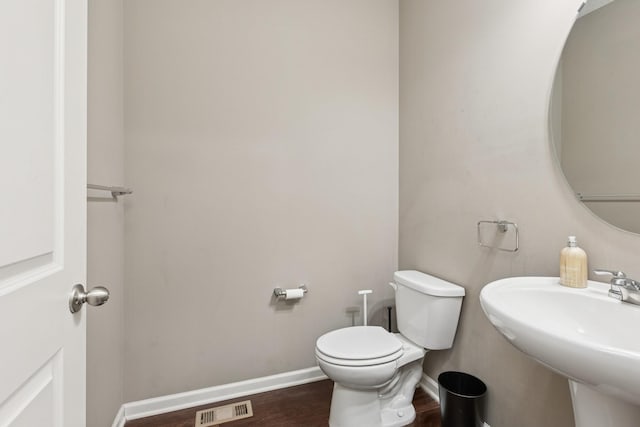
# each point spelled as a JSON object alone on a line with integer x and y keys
{"x": 583, "y": 334}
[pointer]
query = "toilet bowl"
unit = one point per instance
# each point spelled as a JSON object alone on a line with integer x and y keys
{"x": 375, "y": 372}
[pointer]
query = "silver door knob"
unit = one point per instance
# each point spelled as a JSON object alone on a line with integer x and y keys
{"x": 96, "y": 296}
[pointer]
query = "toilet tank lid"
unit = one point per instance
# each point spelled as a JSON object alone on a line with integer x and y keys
{"x": 427, "y": 284}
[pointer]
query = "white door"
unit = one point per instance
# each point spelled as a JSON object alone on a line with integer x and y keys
{"x": 42, "y": 211}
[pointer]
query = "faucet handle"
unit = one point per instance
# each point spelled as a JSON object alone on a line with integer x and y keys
{"x": 616, "y": 274}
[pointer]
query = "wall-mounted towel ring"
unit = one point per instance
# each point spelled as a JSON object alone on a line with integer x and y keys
{"x": 503, "y": 227}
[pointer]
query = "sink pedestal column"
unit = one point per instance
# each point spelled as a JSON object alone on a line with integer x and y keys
{"x": 594, "y": 409}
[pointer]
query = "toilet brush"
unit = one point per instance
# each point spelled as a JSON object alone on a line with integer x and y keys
{"x": 364, "y": 294}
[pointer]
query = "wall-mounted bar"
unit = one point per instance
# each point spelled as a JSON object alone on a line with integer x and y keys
{"x": 115, "y": 191}
{"x": 502, "y": 227}
{"x": 608, "y": 197}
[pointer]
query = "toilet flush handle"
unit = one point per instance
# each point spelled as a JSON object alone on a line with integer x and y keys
{"x": 394, "y": 286}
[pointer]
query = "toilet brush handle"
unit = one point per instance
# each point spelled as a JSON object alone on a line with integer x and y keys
{"x": 364, "y": 293}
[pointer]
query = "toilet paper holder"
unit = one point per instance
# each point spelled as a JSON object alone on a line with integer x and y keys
{"x": 282, "y": 293}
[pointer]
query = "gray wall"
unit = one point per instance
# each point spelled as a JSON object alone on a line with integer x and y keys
{"x": 105, "y": 228}
{"x": 475, "y": 83}
{"x": 262, "y": 144}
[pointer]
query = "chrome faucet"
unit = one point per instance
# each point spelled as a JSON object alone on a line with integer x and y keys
{"x": 622, "y": 287}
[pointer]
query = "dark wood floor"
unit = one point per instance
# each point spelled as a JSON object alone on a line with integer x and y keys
{"x": 305, "y": 405}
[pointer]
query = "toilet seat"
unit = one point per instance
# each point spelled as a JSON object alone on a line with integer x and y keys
{"x": 359, "y": 346}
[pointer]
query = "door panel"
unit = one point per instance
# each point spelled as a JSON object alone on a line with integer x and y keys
{"x": 42, "y": 211}
{"x": 35, "y": 402}
{"x": 32, "y": 58}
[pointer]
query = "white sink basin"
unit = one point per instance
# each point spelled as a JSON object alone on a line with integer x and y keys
{"x": 583, "y": 334}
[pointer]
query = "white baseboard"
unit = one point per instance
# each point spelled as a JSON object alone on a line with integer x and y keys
{"x": 175, "y": 402}
{"x": 430, "y": 386}
{"x": 119, "y": 420}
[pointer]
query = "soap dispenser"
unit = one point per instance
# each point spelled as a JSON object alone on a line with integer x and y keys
{"x": 573, "y": 265}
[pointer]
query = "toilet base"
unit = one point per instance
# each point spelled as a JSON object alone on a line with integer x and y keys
{"x": 390, "y": 406}
{"x": 398, "y": 417}
{"x": 354, "y": 408}
{"x": 357, "y": 408}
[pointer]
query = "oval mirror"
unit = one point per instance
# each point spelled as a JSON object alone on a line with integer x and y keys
{"x": 595, "y": 110}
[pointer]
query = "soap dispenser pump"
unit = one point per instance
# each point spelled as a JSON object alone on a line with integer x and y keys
{"x": 573, "y": 265}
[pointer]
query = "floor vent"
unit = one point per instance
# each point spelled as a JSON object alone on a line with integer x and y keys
{"x": 224, "y": 414}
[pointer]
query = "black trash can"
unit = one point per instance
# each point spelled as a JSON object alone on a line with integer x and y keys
{"x": 462, "y": 399}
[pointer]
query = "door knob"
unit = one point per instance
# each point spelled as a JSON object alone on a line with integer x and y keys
{"x": 96, "y": 296}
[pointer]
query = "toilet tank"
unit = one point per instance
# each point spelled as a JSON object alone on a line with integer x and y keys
{"x": 427, "y": 308}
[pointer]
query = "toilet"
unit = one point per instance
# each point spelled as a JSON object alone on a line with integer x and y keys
{"x": 376, "y": 372}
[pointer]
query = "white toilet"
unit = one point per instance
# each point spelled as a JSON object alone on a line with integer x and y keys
{"x": 375, "y": 372}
